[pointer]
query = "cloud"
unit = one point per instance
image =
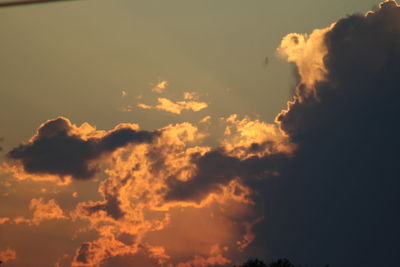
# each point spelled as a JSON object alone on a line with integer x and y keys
{"x": 126, "y": 108}
{"x": 307, "y": 52}
{"x": 199, "y": 261}
{"x": 336, "y": 189}
{"x": 136, "y": 215}
{"x": 190, "y": 96}
{"x": 175, "y": 107}
{"x": 320, "y": 185}
{"x": 337, "y": 194}
{"x": 206, "y": 119}
{"x": 215, "y": 169}
{"x": 3, "y": 220}
{"x": 61, "y": 148}
{"x": 160, "y": 87}
{"x": 246, "y": 138}
{"x": 42, "y": 210}
{"x": 7, "y": 255}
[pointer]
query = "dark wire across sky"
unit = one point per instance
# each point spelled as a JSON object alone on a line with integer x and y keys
{"x": 9, "y": 3}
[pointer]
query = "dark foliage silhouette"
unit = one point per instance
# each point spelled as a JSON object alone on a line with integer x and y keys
{"x": 278, "y": 263}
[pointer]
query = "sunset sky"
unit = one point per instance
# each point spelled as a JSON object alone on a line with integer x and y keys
{"x": 199, "y": 133}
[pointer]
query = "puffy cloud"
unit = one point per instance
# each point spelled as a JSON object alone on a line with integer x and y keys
{"x": 215, "y": 170}
{"x": 8, "y": 255}
{"x": 3, "y": 220}
{"x": 246, "y": 138}
{"x": 336, "y": 189}
{"x": 175, "y": 107}
{"x": 45, "y": 210}
{"x": 320, "y": 185}
{"x": 137, "y": 215}
{"x": 63, "y": 149}
{"x": 336, "y": 196}
{"x": 93, "y": 253}
{"x": 42, "y": 210}
{"x": 307, "y": 52}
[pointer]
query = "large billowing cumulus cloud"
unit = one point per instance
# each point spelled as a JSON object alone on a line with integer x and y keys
{"x": 59, "y": 148}
{"x": 136, "y": 215}
{"x": 337, "y": 198}
{"x": 320, "y": 186}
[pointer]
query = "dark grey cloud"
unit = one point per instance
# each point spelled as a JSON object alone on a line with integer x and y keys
{"x": 111, "y": 203}
{"x": 57, "y": 150}
{"x": 216, "y": 169}
{"x": 336, "y": 199}
{"x": 82, "y": 256}
{"x": 338, "y": 196}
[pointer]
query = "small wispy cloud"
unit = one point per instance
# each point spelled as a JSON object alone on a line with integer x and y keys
{"x": 175, "y": 107}
{"x": 206, "y": 119}
{"x": 127, "y": 108}
{"x": 160, "y": 87}
{"x": 190, "y": 96}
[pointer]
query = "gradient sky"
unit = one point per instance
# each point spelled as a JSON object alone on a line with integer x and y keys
{"x": 94, "y": 61}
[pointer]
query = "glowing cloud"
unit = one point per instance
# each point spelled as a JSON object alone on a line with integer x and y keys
{"x": 63, "y": 149}
{"x": 246, "y": 138}
{"x": 7, "y": 255}
{"x": 42, "y": 211}
{"x": 319, "y": 179}
{"x": 160, "y": 87}
{"x": 190, "y": 96}
{"x": 307, "y": 52}
{"x": 175, "y": 107}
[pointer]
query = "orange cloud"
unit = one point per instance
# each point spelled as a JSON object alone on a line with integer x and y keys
{"x": 63, "y": 150}
{"x": 190, "y": 96}
{"x": 135, "y": 216}
{"x": 8, "y": 255}
{"x": 181, "y": 203}
{"x": 246, "y": 138}
{"x": 4, "y": 220}
{"x": 199, "y": 261}
{"x": 160, "y": 87}
{"x": 42, "y": 211}
{"x": 45, "y": 210}
{"x": 206, "y": 119}
{"x": 307, "y": 52}
{"x": 175, "y": 107}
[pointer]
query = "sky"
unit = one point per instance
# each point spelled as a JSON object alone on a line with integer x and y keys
{"x": 199, "y": 133}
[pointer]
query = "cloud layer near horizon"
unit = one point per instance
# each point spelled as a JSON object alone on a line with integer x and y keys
{"x": 319, "y": 186}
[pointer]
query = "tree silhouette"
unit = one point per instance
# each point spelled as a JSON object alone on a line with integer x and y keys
{"x": 253, "y": 263}
{"x": 259, "y": 263}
